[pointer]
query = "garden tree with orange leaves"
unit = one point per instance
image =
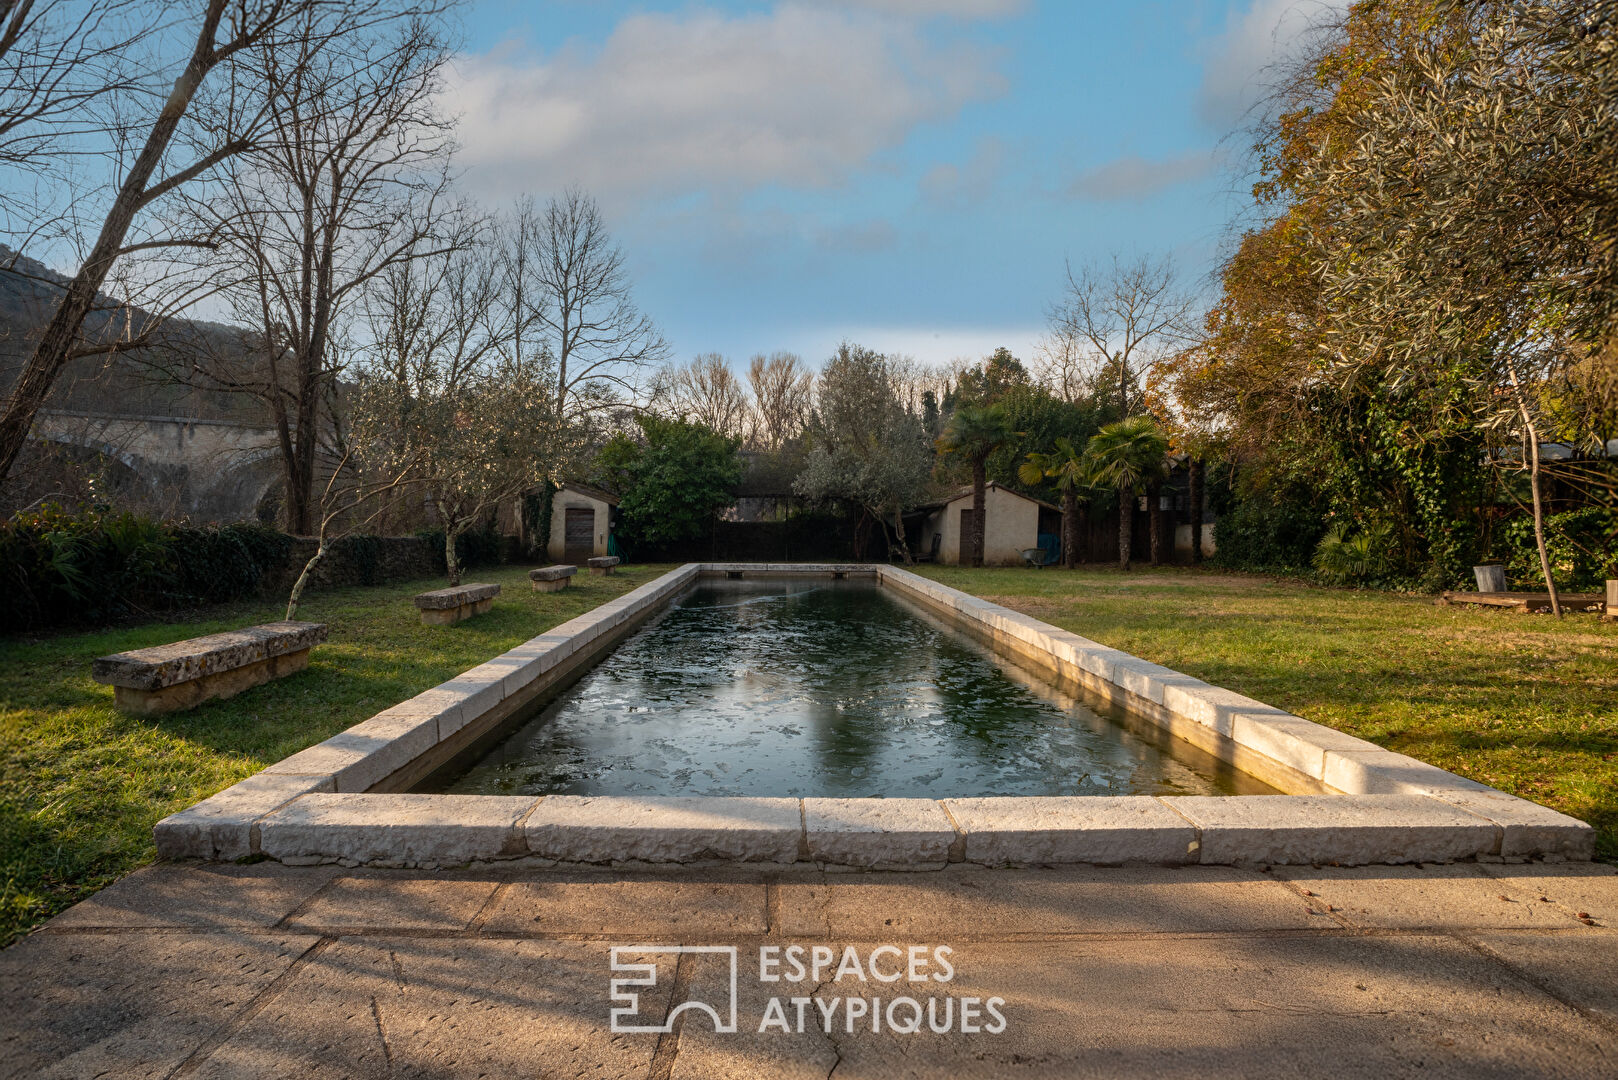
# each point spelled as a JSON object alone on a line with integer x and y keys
{"x": 1466, "y": 240}
{"x": 1371, "y": 445}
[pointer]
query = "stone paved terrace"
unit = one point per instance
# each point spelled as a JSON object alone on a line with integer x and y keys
{"x": 271, "y": 971}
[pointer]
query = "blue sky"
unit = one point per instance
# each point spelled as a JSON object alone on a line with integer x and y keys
{"x": 910, "y": 174}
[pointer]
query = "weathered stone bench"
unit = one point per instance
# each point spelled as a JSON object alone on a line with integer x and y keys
{"x": 552, "y": 578}
{"x": 444, "y": 606}
{"x": 603, "y": 564}
{"x": 169, "y": 678}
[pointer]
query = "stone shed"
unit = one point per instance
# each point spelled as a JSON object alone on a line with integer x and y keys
{"x": 581, "y": 523}
{"x": 1012, "y": 521}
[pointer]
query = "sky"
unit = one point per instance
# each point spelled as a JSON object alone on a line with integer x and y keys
{"x": 908, "y": 174}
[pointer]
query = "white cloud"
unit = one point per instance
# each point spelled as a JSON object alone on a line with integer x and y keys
{"x": 674, "y": 104}
{"x": 938, "y": 346}
{"x": 1237, "y": 72}
{"x": 1132, "y": 178}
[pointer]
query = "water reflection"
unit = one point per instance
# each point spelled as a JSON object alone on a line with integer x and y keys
{"x": 800, "y": 688}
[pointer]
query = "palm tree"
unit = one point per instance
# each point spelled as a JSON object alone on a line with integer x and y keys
{"x": 1128, "y": 456}
{"x": 1067, "y": 466}
{"x": 975, "y": 432}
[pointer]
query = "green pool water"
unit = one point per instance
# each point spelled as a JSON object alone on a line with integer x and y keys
{"x": 813, "y": 687}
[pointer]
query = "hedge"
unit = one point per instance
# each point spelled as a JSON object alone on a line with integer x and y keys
{"x": 64, "y": 568}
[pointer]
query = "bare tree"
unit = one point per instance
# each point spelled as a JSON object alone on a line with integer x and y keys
{"x": 442, "y": 395}
{"x": 1115, "y": 322}
{"x": 202, "y": 121}
{"x": 709, "y": 393}
{"x": 349, "y": 183}
{"x": 57, "y": 60}
{"x": 783, "y": 392}
{"x": 1061, "y": 364}
{"x": 580, "y": 302}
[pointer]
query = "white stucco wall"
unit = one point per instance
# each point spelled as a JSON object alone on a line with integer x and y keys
{"x": 1011, "y": 523}
{"x": 1182, "y": 539}
{"x": 557, "y": 546}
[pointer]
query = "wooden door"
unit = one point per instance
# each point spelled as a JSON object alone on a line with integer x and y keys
{"x": 964, "y": 557}
{"x": 579, "y": 535}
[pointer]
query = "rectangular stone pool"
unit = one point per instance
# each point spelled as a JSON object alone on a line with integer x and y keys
{"x": 846, "y": 715}
{"x": 820, "y": 687}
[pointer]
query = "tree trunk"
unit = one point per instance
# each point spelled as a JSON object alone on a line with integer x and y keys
{"x": 1126, "y": 527}
{"x": 1154, "y": 505}
{"x": 56, "y": 343}
{"x": 303, "y": 579}
{"x": 1070, "y": 527}
{"x": 1531, "y": 433}
{"x": 899, "y": 534}
{"x": 450, "y": 565}
{"x": 1196, "y": 510}
{"x": 1539, "y": 523}
{"x": 979, "y": 497}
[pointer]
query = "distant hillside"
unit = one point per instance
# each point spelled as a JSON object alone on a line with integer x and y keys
{"x": 123, "y": 385}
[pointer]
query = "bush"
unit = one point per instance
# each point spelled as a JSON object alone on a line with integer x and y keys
{"x": 214, "y": 564}
{"x": 475, "y": 547}
{"x": 1258, "y": 534}
{"x": 1582, "y": 545}
{"x": 61, "y": 568}
{"x": 1358, "y": 560}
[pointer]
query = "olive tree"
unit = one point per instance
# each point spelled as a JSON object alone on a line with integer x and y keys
{"x": 443, "y": 395}
{"x": 865, "y": 446}
{"x": 1472, "y": 204}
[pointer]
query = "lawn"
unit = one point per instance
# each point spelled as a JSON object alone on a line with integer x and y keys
{"x": 1522, "y": 702}
{"x": 81, "y": 785}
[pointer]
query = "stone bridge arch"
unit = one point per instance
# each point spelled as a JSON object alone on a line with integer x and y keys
{"x": 213, "y": 470}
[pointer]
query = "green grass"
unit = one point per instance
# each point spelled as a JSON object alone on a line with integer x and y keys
{"x": 1522, "y": 702}
{"x": 81, "y": 785}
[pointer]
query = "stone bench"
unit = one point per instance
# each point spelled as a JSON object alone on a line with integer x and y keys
{"x": 552, "y": 578}
{"x": 444, "y": 606}
{"x": 603, "y": 564}
{"x": 169, "y": 678}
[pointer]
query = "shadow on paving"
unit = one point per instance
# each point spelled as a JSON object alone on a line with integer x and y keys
{"x": 268, "y": 971}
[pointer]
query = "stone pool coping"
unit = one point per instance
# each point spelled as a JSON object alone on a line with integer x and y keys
{"x": 1357, "y": 803}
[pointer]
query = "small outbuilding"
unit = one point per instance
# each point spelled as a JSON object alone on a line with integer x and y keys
{"x": 581, "y": 523}
{"x": 1012, "y": 522}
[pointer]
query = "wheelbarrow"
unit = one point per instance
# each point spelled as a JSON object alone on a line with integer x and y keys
{"x": 1034, "y": 556}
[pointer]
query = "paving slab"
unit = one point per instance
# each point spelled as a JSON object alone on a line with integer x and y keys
{"x": 747, "y": 1053}
{"x": 1184, "y": 972}
{"x": 435, "y": 1007}
{"x": 665, "y": 910}
{"x": 1582, "y": 888}
{"x": 966, "y": 902}
{"x": 127, "y": 1005}
{"x": 198, "y": 895}
{"x": 1197, "y": 1008}
{"x": 1415, "y": 897}
{"x": 394, "y": 902}
{"x": 1576, "y": 967}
